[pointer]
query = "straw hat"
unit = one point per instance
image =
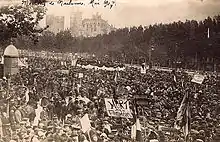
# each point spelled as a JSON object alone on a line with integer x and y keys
{"x": 199, "y": 140}
{"x": 68, "y": 115}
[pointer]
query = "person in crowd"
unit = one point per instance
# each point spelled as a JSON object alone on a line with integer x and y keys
{"x": 58, "y": 100}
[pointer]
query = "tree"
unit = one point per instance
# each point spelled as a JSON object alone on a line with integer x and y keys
{"x": 20, "y": 20}
{"x": 64, "y": 40}
{"x": 47, "y": 40}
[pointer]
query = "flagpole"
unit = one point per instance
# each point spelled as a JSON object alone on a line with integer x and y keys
{"x": 135, "y": 117}
{"x": 208, "y": 33}
{"x": 8, "y": 96}
{"x": 187, "y": 127}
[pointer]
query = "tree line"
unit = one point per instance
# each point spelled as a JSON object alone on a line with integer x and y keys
{"x": 178, "y": 44}
{"x": 189, "y": 44}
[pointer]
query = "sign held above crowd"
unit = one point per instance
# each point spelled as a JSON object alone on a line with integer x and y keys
{"x": 118, "y": 108}
{"x": 198, "y": 78}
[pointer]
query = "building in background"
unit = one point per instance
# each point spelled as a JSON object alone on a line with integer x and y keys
{"x": 55, "y": 23}
{"x": 76, "y": 24}
{"x": 95, "y": 26}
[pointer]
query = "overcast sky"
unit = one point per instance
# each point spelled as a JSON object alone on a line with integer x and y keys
{"x": 143, "y": 12}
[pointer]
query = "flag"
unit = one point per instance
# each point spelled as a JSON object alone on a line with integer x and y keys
{"x": 136, "y": 131}
{"x": 174, "y": 78}
{"x": 183, "y": 116}
{"x": 67, "y": 100}
{"x": 173, "y": 73}
{"x": 116, "y": 77}
{"x": 62, "y": 63}
{"x": 74, "y": 62}
{"x": 85, "y": 123}
{"x": 186, "y": 127}
{"x": 208, "y": 33}
{"x": 133, "y": 131}
{"x": 143, "y": 69}
{"x": 27, "y": 95}
{"x": 182, "y": 108}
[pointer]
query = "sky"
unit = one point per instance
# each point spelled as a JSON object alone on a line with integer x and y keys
{"x": 129, "y": 13}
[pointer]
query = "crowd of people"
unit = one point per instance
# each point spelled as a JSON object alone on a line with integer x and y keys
{"x": 44, "y": 103}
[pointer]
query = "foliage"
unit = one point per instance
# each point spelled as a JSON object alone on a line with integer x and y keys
{"x": 20, "y": 20}
{"x": 63, "y": 40}
{"x": 177, "y": 42}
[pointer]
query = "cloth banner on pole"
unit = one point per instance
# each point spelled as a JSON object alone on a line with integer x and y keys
{"x": 136, "y": 133}
{"x": 63, "y": 71}
{"x": 74, "y": 62}
{"x": 133, "y": 131}
{"x": 143, "y": 69}
{"x": 118, "y": 108}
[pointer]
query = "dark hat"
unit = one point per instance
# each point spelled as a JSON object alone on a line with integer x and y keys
{"x": 55, "y": 117}
{"x": 75, "y": 127}
{"x": 28, "y": 126}
{"x": 25, "y": 119}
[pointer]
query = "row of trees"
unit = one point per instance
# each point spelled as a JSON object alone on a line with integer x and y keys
{"x": 178, "y": 43}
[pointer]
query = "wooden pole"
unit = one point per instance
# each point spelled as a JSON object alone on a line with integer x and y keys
{"x": 8, "y": 96}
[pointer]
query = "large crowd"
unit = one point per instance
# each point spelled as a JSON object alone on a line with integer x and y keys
{"x": 43, "y": 103}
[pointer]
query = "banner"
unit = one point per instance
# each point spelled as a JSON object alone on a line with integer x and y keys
{"x": 143, "y": 70}
{"x": 63, "y": 71}
{"x": 118, "y": 108}
{"x": 198, "y": 78}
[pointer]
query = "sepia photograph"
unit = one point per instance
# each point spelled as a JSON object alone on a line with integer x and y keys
{"x": 110, "y": 71}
